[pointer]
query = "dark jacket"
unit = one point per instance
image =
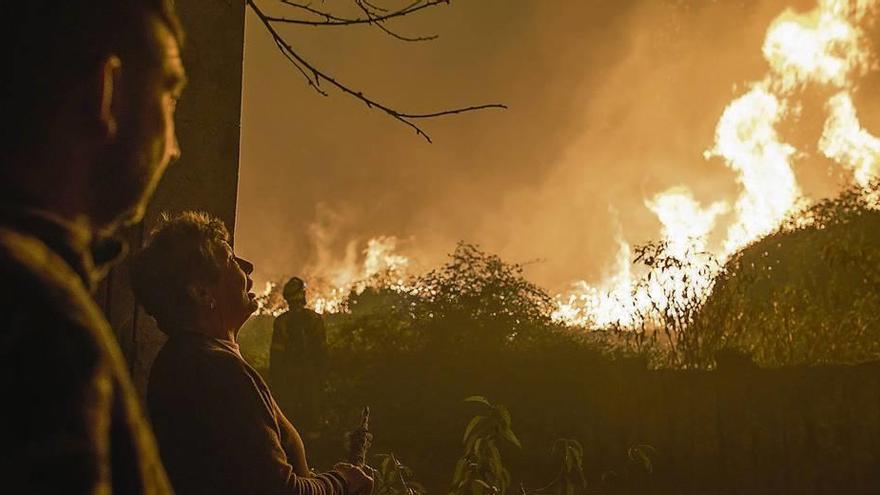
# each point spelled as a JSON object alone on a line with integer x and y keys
{"x": 219, "y": 429}
{"x": 70, "y": 420}
{"x": 297, "y": 365}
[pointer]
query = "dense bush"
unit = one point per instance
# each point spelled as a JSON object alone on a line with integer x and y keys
{"x": 807, "y": 293}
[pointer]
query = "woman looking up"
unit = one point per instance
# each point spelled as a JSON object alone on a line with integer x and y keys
{"x": 219, "y": 429}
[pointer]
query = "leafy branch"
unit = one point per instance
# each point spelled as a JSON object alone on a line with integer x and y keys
{"x": 570, "y": 477}
{"x": 480, "y": 470}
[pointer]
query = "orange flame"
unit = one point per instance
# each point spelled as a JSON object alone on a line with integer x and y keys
{"x": 380, "y": 260}
{"x": 824, "y": 47}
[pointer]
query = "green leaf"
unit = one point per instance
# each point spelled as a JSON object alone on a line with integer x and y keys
{"x": 578, "y": 452}
{"x": 510, "y": 436}
{"x": 478, "y": 487}
{"x": 579, "y": 458}
{"x": 505, "y": 414}
{"x": 477, "y": 444}
{"x": 459, "y": 471}
{"x": 495, "y": 459}
{"x": 478, "y": 398}
{"x": 505, "y": 479}
{"x": 470, "y": 427}
{"x": 483, "y": 484}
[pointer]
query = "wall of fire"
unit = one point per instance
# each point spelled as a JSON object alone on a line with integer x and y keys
{"x": 206, "y": 177}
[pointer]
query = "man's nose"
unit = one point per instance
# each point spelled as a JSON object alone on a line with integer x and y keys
{"x": 245, "y": 265}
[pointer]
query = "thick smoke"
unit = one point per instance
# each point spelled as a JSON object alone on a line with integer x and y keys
{"x": 610, "y": 103}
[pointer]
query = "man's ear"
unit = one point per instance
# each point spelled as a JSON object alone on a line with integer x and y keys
{"x": 201, "y": 296}
{"x": 110, "y": 96}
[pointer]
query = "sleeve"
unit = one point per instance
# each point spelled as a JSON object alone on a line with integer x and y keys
{"x": 253, "y": 442}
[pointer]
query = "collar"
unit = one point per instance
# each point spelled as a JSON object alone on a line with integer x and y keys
{"x": 214, "y": 341}
{"x": 91, "y": 256}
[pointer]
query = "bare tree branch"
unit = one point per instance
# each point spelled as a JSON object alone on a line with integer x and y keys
{"x": 379, "y": 24}
{"x": 314, "y": 82}
{"x": 380, "y": 9}
{"x": 333, "y": 20}
{"x": 315, "y": 76}
{"x": 308, "y": 8}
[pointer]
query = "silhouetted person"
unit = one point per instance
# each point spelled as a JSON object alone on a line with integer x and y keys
{"x": 298, "y": 358}
{"x": 219, "y": 429}
{"x": 88, "y": 96}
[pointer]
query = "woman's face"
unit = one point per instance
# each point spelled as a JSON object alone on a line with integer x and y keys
{"x": 234, "y": 300}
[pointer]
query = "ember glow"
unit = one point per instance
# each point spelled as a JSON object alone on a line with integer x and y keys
{"x": 825, "y": 47}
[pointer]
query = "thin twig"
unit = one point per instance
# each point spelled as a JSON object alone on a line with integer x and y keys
{"x": 315, "y": 83}
{"x": 381, "y": 9}
{"x": 317, "y": 76}
{"x": 341, "y": 21}
{"x": 308, "y": 8}
{"x": 379, "y": 24}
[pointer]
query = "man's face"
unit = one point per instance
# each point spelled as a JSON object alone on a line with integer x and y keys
{"x": 232, "y": 292}
{"x": 146, "y": 143}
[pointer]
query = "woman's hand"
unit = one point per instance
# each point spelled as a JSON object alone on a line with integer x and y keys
{"x": 357, "y": 480}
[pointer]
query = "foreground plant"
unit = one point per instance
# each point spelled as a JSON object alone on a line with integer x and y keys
{"x": 571, "y": 470}
{"x": 394, "y": 478}
{"x": 480, "y": 470}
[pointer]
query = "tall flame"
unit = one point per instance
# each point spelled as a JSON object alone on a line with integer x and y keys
{"x": 825, "y": 47}
{"x": 747, "y": 139}
{"x": 686, "y": 226}
{"x": 844, "y": 141}
{"x": 380, "y": 259}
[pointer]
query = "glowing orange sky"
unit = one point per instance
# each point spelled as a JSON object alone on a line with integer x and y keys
{"x": 610, "y": 103}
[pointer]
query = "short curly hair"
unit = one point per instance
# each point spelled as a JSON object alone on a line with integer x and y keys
{"x": 178, "y": 253}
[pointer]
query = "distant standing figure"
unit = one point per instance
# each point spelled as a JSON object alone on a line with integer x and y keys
{"x": 298, "y": 358}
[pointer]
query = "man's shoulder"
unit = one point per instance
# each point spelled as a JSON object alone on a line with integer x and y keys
{"x": 307, "y": 315}
{"x": 26, "y": 259}
{"x": 281, "y": 319}
{"x": 43, "y": 299}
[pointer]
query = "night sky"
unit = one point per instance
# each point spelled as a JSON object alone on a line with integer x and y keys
{"x": 610, "y": 103}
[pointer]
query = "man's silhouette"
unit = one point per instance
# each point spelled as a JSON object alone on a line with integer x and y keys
{"x": 298, "y": 358}
{"x": 88, "y": 96}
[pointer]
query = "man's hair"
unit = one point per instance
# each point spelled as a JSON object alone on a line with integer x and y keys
{"x": 178, "y": 254}
{"x": 54, "y": 45}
